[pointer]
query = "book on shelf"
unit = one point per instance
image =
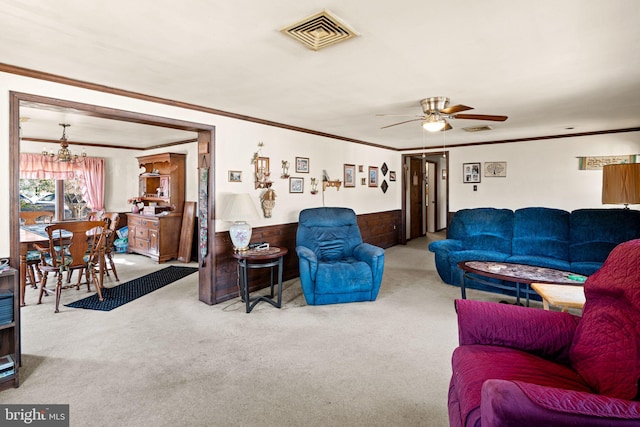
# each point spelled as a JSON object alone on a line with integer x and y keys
{"x": 6, "y": 362}
{"x": 7, "y": 373}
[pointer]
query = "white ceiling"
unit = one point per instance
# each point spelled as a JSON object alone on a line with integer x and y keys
{"x": 549, "y": 65}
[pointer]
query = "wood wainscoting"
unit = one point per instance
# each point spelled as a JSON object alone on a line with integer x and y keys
{"x": 380, "y": 229}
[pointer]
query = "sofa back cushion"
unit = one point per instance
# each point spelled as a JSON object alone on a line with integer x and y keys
{"x": 541, "y": 232}
{"x": 605, "y": 349}
{"x": 331, "y": 233}
{"x": 595, "y": 232}
{"x": 483, "y": 229}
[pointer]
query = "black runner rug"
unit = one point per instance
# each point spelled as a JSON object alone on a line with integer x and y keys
{"x": 122, "y": 294}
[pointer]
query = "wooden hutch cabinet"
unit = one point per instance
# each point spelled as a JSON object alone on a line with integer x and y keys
{"x": 155, "y": 231}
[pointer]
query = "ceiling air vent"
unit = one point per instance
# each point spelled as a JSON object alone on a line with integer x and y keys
{"x": 320, "y": 30}
{"x": 477, "y": 128}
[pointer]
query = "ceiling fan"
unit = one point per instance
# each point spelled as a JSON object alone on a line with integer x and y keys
{"x": 436, "y": 112}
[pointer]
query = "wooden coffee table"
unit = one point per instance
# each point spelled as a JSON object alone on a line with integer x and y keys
{"x": 560, "y": 295}
{"x": 515, "y": 273}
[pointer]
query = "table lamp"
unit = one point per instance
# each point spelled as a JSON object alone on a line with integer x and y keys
{"x": 621, "y": 184}
{"x": 240, "y": 209}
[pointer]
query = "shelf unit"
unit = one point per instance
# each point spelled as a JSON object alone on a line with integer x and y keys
{"x": 10, "y": 332}
{"x": 165, "y": 172}
{"x": 162, "y": 182}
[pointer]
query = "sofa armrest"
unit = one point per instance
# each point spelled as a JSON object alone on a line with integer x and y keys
{"x": 509, "y": 403}
{"x": 446, "y": 245}
{"x": 374, "y": 257}
{"x": 368, "y": 253}
{"x": 308, "y": 261}
{"x": 547, "y": 334}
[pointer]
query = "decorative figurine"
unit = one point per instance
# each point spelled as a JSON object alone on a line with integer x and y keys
{"x": 314, "y": 186}
{"x": 285, "y": 170}
{"x": 268, "y": 200}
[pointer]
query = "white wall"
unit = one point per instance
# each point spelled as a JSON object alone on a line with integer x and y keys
{"x": 236, "y": 141}
{"x": 235, "y": 148}
{"x": 539, "y": 173}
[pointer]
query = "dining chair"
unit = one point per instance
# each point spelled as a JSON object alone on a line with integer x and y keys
{"x": 33, "y": 256}
{"x": 74, "y": 245}
{"x": 112, "y": 219}
{"x": 35, "y": 217}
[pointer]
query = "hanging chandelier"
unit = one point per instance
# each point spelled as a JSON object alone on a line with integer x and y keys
{"x": 64, "y": 155}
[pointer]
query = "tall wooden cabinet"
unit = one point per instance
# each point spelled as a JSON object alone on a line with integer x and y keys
{"x": 155, "y": 231}
{"x": 9, "y": 329}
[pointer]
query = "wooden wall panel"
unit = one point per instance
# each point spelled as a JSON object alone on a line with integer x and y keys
{"x": 380, "y": 229}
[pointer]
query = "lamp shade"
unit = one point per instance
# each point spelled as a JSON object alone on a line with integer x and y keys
{"x": 621, "y": 184}
{"x": 240, "y": 208}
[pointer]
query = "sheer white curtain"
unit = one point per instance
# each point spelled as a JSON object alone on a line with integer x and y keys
{"x": 90, "y": 172}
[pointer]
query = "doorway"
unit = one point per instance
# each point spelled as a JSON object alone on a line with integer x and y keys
{"x": 206, "y": 146}
{"x": 425, "y": 201}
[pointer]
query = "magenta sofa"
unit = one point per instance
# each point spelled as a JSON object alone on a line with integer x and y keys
{"x": 520, "y": 366}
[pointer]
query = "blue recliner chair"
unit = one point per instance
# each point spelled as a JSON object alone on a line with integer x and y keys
{"x": 335, "y": 265}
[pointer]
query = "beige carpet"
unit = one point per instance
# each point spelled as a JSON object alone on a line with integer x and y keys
{"x": 167, "y": 359}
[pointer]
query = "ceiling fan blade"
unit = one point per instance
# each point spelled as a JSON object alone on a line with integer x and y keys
{"x": 481, "y": 117}
{"x": 446, "y": 127}
{"x": 455, "y": 109}
{"x": 400, "y": 115}
{"x": 401, "y": 123}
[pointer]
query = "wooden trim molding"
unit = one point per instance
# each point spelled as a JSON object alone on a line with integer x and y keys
{"x": 26, "y": 72}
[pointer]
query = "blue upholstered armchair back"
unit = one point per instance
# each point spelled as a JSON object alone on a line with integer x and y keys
{"x": 331, "y": 233}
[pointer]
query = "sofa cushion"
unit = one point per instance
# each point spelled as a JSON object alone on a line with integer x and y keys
{"x": 343, "y": 276}
{"x": 605, "y": 348}
{"x": 472, "y": 255}
{"x": 586, "y": 268}
{"x": 483, "y": 228}
{"x": 595, "y": 232}
{"x": 474, "y": 364}
{"x": 541, "y": 232}
{"x": 605, "y": 351}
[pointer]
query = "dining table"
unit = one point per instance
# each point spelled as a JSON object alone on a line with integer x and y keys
{"x": 30, "y": 236}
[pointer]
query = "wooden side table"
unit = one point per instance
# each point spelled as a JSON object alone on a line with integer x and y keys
{"x": 260, "y": 258}
{"x": 565, "y": 296}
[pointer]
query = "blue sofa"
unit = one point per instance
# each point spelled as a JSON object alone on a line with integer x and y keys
{"x": 577, "y": 241}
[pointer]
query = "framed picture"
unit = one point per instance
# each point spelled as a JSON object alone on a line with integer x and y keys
{"x": 302, "y": 165}
{"x": 360, "y": 168}
{"x": 349, "y": 175}
{"x": 392, "y": 175}
{"x": 235, "y": 176}
{"x": 495, "y": 169}
{"x": 470, "y": 173}
{"x": 373, "y": 176}
{"x": 296, "y": 185}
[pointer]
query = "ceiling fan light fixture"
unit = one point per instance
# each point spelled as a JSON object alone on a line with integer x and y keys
{"x": 433, "y": 123}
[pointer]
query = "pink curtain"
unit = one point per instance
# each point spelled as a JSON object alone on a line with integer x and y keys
{"x": 90, "y": 172}
{"x": 33, "y": 166}
{"x": 93, "y": 174}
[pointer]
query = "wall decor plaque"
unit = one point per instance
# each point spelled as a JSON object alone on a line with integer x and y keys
{"x": 597, "y": 162}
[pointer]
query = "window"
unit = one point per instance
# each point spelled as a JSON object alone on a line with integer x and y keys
{"x": 41, "y": 195}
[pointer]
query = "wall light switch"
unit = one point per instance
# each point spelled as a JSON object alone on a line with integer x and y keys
{"x": 475, "y": 188}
